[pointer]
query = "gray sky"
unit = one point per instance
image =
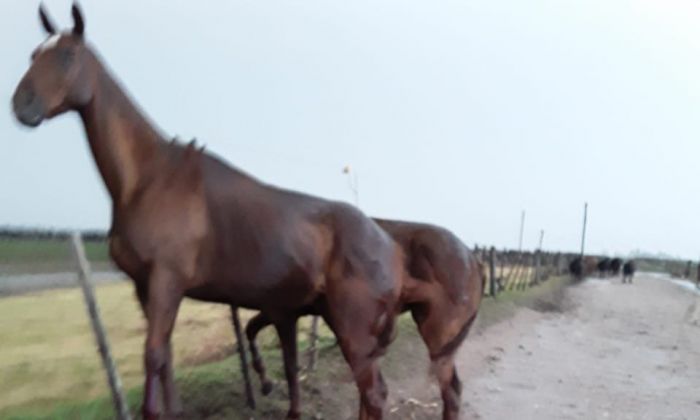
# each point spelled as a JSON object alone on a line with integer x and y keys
{"x": 460, "y": 113}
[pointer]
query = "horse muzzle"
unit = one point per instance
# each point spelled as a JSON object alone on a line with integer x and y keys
{"x": 28, "y": 107}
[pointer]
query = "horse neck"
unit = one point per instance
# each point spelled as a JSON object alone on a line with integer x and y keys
{"x": 126, "y": 147}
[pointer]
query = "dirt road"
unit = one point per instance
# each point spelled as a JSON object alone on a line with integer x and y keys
{"x": 23, "y": 283}
{"x": 615, "y": 352}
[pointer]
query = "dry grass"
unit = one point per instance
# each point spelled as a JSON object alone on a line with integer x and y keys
{"x": 48, "y": 354}
{"x": 59, "y": 376}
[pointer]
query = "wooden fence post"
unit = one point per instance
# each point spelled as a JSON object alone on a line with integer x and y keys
{"x": 240, "y": 343}
{"x": 313, "y": 344}
{"x": 492, "y": 271}
{"x": 502, "y": 278}
{"x": 115, "y": 385}
{"x": 557, "y": 264}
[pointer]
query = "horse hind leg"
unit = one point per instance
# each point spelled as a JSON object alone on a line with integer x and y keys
{"x": 371, "y": 385}
{"x": 442, "y": 348}
{"x": 257, "y": 323}
{"x": 240, "y": 344}
{"x": 362, "y": 343}
{"x": 450, "y": 387}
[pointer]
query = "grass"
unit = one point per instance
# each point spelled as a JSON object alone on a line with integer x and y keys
{"x": 547, "y": 296}
{"x": 45, "y": 255}
{"x": 48, "y": 354}
{"x": 51, "y": 370}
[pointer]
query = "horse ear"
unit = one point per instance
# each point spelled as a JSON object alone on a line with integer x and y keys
{"x": 78, "y": 22}
{"x": 45, "y": 21}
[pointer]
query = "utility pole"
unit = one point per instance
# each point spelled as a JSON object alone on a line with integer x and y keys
{"x": 522, "y": 228}
{"x": 541, "y": 239}
{"x": 583, "y": 234}
{"x": 353, "y": 184}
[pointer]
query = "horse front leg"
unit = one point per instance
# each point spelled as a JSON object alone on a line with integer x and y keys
{"x": 163, "y": 301}
{"x": 171, "y": 396}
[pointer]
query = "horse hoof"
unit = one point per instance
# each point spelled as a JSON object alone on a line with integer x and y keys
{"x": 266, "y": 388}
{"x": 175, "y": 414}
{"x": 150, "y": 415}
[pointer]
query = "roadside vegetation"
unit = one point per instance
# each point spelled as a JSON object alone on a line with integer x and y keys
{"x": 51, "y": 370}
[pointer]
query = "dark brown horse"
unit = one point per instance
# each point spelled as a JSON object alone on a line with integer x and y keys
{"x": 444, "y": 286}
{"x": 186, "y": 224}
{"x": 628, "y": 270}
{"x": 615, "y": 266}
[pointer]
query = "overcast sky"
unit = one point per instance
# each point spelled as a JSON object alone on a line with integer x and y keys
{"x": 459, "y": 113}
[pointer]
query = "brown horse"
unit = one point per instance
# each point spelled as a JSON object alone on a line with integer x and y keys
{"x": 444, "y": 286}
{"x": 186, "y": 224}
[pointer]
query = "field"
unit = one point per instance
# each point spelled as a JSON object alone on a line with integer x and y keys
{"x": 26, "y": 256}
{"x": 50, "y": 367}
{"x": 48, "y": 356}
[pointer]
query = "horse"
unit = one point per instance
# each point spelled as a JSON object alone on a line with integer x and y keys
{"x": 583, "y": 267}
{"x": 603, "y": 267}
{"x": 590, "y": 264}
{"x": 187, "y": 224}
{"x": 576, "y": 267}
{"x": 443, "y": 289}
{"x": 628, "y": 270}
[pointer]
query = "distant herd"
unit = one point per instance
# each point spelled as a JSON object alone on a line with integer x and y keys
{"x": 605, "y": 267}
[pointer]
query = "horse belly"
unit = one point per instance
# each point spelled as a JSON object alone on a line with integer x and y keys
{"x": 259, "y": 285}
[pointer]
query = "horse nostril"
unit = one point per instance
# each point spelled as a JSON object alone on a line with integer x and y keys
{"x": 27, "y": 105}
{"x": 24, "y": 97}
{"x": 29, "y": 97}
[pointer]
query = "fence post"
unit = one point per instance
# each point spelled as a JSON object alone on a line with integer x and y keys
{"x": 240, "y": 343}
{"x": 557, "y": 269}
{"x": 115, "y": 385}
{"x": 492, "y": 270}
{"x": 313, "y": 344}
{"x": 502, "y": 280}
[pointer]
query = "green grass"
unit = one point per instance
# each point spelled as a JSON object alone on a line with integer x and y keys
{"x": 32, "y": 250}
{"x": 45, "y": 255}
{"x": 547, "y": 296}
{"x": 216, "y": 387}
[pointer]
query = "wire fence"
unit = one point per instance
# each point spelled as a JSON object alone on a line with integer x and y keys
{"x": 510, "y": 270}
